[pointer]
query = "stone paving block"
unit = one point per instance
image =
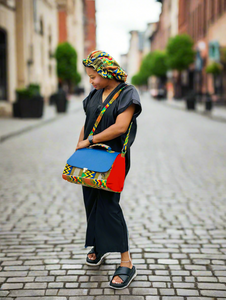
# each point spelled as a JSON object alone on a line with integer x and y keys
{"x": 130, "y": 297}
{"x": 35, "y": 285}
{"x": 20, "y": 279}
{"x": 140, "y": 284}
{"x": 52, "y": 267}
{"x": 38, "y": 273}
{"x": 81, "y": 298}
{"x": 213, "y": 293}
{"x": 57, "y": 272}
{"x": 207, "y": 279}
{"x": 187, "y": 292}
{"x": 108, "y": 297}
{"x": 144, "y": 291}
{"x": 51, "y": 292}
{"x": 89, "y": 285}
{"x": 12, "y": 286}
{"x": 167, "y": 292}
{"x": 159, "y": 284}
{"x": 55, "y": 285}
{"x": 42, "y": 298}
{"x": 212, "y": 286}
{"x": 83, "y": 278}
{"x": 222, "y": 279}
{"x": 71, "y": 285}
{"x": 12, "y": 263}
{"x": 184, "y": 285}
{"x": 159, "y": 278}
{"x": 99, "y": 278}
{"x": 168, "y": 261}
{"x": 26, "y": 293}
{"x": 45, "y": 278}
{"x": 13, "y": 274}
{"x": 4, "y": 293}
{"x": 96, "y": 291}
{"x": 72, "y": 292}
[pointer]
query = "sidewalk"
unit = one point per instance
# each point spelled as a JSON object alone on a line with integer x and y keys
{"x": 217, "y": 113}
{"x": 10, "y": 127}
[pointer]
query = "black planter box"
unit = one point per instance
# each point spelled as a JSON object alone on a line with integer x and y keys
{"x": 209, "y": 105}
{"x": 61, "y": 101}
{"x": 29, "y": 107}
{"x": 191, "y": 103}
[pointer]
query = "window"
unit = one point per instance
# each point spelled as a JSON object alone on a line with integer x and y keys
{"x": 204, "y": 12}
{"x": 219, "y": 7}
{"x": 212, "y": 7}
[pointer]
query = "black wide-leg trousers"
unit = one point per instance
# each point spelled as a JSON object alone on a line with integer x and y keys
{"x": 106, "y": 226}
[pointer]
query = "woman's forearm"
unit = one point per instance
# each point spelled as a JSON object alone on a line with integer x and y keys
{"x": 108, "y": 134}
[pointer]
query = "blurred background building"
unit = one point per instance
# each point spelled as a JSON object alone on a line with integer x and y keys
{"x": 29, "y": 34}
{"x": 205, "y": 22}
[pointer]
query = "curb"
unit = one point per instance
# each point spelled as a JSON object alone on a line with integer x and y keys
{"x": 4, "y": 138}
{"x": 202, "y": 113}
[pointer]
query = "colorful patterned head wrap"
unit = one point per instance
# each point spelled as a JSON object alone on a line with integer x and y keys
{"x": 105, "y": 65}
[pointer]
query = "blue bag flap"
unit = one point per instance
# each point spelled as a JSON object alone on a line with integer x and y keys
{"x": 93, "y": 159}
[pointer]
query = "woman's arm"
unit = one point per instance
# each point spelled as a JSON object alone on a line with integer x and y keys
{"x": 121, "y": 125}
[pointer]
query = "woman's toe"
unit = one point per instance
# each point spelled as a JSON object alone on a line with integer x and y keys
{"x": 117, "y": 280}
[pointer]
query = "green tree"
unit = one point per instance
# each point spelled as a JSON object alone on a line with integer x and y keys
{"x": 154, "y": 63}
{"x": 139, "y": 79}
{"x": 66, "y": 57}
{"x": 180, "y": 55}
{"x": 158, "y": 64}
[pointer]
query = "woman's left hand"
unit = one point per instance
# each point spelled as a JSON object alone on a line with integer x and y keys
{"x": 83, "y": 144}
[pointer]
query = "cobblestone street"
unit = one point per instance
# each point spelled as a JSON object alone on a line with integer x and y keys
{"x": 174, "y": 202}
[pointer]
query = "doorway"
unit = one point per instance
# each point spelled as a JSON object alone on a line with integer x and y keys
{"x": 3, "y": 64}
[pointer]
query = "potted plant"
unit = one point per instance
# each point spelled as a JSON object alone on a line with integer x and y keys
{"x": 29, "y": 102}
{"x": 68, "y": 76}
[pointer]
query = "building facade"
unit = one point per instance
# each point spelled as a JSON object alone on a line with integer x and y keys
{"x": 29, "y": 37}
{"x": 134, "y": 56}
{"x": 29, "y": 34}
{"x": 205, "y": 22}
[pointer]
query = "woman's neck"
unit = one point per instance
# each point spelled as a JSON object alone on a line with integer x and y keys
{"x": 111, "y": 86}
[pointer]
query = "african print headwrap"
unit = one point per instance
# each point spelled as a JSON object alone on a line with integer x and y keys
{"x": 105, "y": 65}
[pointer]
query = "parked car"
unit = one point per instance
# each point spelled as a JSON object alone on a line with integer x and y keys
{"x": 158, "y": 93}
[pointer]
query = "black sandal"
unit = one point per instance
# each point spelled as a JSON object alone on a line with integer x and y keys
{"x": 126, "y": 274}
{"x": 98, "y": 260}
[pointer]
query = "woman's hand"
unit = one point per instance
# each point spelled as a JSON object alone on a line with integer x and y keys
{"x": 83, "y": 144}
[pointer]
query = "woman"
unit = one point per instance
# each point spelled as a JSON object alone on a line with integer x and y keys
{"x": 106, "y": 227}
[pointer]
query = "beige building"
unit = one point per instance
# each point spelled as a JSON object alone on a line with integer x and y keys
{"x": 29, "y": 34}
{"x": 32, "y": 36}
{"x": 134, "y": 55}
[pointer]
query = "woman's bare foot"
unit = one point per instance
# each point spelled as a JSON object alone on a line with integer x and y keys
{"x": 92, "y": 256}
{"x": 125, "y": 262}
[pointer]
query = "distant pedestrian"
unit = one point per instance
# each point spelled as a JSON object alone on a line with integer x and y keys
{"x": 106, "y": 228}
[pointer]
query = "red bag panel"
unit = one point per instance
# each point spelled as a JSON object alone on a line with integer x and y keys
{"x": 116, "y": 178}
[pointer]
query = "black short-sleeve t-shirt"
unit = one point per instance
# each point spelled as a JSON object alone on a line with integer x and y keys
{"x": 93, "y": 105}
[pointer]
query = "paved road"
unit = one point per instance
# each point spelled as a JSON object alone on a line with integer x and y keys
{"x": 175, "y": 210}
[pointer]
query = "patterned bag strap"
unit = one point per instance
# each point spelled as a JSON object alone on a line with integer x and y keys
{"x": 124, "y": 149}
{"x": 104, "y": 109}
